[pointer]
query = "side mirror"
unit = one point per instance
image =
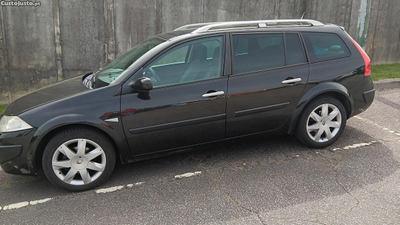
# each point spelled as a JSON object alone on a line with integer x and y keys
{"x": 142, "y": 85}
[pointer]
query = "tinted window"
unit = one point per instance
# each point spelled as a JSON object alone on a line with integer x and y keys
{"x": 324, "y": 46}
{"x": 294, "y": 50}
{"x": 177, "y": 56}
{"x": 114, "y": 70}
{"x": 254, "y": 52}
{"x": 192, "y": 61}
{"x": 212, "y": 46}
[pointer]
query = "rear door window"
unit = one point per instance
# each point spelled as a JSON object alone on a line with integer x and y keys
{"x": 254, "y": 52}
{"x": 325, "y": 46}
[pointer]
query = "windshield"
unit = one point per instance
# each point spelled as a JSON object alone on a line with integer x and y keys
{"x": 113, "y": 70}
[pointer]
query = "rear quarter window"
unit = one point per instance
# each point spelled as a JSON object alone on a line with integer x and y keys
{"x": 294, "y": 50}
{"x": 325, "y": 46}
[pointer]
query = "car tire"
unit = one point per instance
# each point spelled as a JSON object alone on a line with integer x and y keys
{"x": 78, "y": 159}
{"x": 322, "y": 122}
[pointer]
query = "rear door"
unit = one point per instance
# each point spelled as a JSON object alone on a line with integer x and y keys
{"x": 270, "y": 71}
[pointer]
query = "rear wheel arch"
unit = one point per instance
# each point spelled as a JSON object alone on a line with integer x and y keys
{"x": 50, "y": 134}
{"x": 332, "y": 89}
{"x": 322, "y": 122}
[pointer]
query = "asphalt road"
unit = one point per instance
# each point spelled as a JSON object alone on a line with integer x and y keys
{"x": 256, "y": 180}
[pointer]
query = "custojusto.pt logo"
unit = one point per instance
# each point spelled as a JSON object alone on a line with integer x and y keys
{"x": 20, "y": 3}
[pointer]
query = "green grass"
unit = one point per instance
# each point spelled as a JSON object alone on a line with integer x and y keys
{"x": 2, "y": 108}
{"x": 385, "y": 71}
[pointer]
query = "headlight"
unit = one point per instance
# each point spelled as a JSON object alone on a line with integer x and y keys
{"x": 12, "y": 123}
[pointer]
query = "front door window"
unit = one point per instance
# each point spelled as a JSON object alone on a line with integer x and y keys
{"x": 189, "y": 62}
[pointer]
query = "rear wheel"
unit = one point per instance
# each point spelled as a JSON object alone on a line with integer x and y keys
{"x": 78, "y": 159}
{"x": 321, "y": 122}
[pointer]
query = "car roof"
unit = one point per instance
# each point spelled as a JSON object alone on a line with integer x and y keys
{"x": 246, "y": 26}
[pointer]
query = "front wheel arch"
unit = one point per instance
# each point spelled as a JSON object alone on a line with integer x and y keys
{"x": 45, "y": 140}
{"x": 78, "y": 167}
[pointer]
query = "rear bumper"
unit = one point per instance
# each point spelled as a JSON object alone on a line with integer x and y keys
{"x": 369, "y": 96}
{"x": 14, "y": 149}
{"x": 363, "y": 95}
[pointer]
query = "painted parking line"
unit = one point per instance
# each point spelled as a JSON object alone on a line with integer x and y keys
{"x": 116, "y": 188}
{"x": 110, "y": 189}
{"x": 377, "y": 125}
{"x": 187, "y": 175}
{"x": 24, "y": 204}
{"x": 135, "y": 184}
{"x": 353, "y": 146}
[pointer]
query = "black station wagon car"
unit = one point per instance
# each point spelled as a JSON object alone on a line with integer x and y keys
{"x": 199, "y": 84}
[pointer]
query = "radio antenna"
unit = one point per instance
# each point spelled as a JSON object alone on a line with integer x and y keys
{"x": 302, "y": 16}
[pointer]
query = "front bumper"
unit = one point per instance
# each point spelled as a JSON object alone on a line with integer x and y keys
{"x": 9, "y": 152}
{"x": 14, "y": 149}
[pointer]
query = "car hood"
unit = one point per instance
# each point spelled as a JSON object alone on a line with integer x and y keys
{"x": 45, "y": 95}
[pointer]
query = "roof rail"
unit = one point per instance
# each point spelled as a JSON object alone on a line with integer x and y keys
{"x": 193, "y": 26}
{"x": 204, "y": 27}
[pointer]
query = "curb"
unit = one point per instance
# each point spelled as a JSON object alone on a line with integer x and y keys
{"x": 386, "y": 84}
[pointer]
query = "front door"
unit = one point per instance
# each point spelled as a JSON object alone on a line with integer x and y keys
{"x": 187, "y": 104}
{"x": 270, "y": 73}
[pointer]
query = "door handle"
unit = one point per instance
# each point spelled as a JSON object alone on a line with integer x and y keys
{"x": 213, "y": 94}
{"x": 294, "y": 80}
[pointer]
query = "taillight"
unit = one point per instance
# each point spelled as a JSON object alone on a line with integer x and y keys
{"x": 365, "y": 57}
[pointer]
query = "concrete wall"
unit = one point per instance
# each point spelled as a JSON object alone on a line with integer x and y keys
{"x": 63, "y": 38}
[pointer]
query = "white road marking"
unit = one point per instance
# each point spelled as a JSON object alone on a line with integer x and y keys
{"x": 186, "y": 175}
{"x": 16, "y": 205}
{"x": 110, "y": 189}
{"x": 24, "y": 204}
{"x": 356, "y": 145}
{"x": 375, "y": 124}
{"x": 135, "y": 184}
{"x": 39, "y": 201}
{"x": 359, "y": 145}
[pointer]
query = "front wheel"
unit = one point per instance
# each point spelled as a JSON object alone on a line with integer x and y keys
{"x": 321, "y": 122}
{"x": 78, "y": 159}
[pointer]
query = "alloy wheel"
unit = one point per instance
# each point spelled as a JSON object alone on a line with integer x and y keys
{"x": 79, "y": 161}
{"x": 324, "y": 122}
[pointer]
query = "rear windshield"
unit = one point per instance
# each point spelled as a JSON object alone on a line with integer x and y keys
{"x": 325, "y": 46}
{"x": 113, "y": 70}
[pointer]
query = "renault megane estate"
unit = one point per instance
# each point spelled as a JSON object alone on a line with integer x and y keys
{"x": 196, "y": 85}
